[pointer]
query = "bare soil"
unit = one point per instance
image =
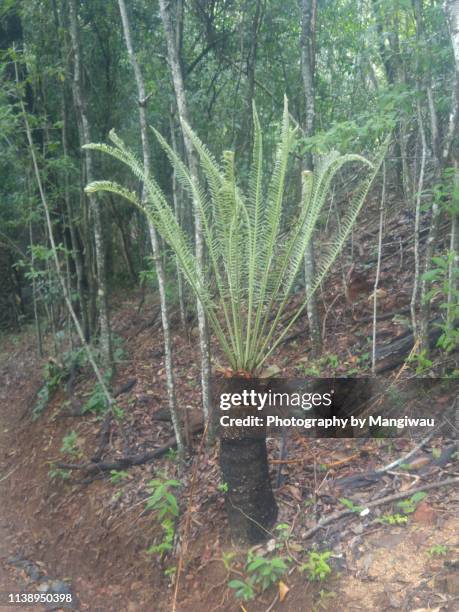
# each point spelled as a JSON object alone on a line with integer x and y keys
{"x": 93, "y": 535}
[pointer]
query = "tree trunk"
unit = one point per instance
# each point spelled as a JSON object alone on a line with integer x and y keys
{"x": 249, "y": 500}
{"x": 308, "y": 19}
{"x": 177, "y": 195}
{"x": 177, "y": 78}
{"x": 85, "y": 138}
{"x": 452, "y": 16}
{"x": 153, "y": 235}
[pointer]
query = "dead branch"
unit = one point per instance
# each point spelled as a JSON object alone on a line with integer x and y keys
{"x": 336, "y": 516}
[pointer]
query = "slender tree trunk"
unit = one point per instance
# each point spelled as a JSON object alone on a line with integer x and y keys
{"x": 378, "y": 267}
{"x": 34, "y": 293}
{"x": 452, "y": 16}
{"x": 177, "y": 195}
{"x": 77, "y": 257}
{"x": 153, "y": 235}
{"x": 450, "y": 149}
{"x": 451, "y": 312}
{"x": 85, "y": 138}
{"x": 177, "y": 78}
{"x": 420, "y": 325}
{"x": 308, "y": 18}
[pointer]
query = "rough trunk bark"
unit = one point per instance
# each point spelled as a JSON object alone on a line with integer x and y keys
{"x": 177, "y": 78}
{"x": 153, "y": 235}
{"x": 85, "y": 138}
{"x": 249, "y": 500}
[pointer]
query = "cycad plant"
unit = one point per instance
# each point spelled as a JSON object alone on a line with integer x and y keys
{"x": 253, "y": 262}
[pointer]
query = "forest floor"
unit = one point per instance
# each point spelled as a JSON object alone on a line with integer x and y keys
{"x": 91, "y": 535}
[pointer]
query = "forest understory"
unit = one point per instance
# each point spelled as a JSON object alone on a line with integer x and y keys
{"x": 199, "y": 197}
{"x": 90, "y": 530}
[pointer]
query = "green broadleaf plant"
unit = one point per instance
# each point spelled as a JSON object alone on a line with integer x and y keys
{"x": 253, "y": 262}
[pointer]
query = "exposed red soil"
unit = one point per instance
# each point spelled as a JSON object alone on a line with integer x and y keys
{"x": 95, "y": 534}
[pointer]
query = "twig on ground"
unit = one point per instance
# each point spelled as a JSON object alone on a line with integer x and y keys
{"x": 378, "y": 502}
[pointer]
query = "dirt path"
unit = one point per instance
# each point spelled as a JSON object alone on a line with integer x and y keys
{"x": 16, "y": 380}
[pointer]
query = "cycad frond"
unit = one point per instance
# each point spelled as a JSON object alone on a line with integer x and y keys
{"x": 252, "y": 269}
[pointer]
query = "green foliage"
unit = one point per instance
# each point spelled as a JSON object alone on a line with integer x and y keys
{"x": 58, "y": 473}
{"x": 445, "y": 277}
{"x": 261, "y": 573}
{"x": 421, "y": 362}
{"x": 408, "y": 506}
{"x": 317, "y": 566}
{"x": 71, "y": 445}
{"x": 223, "y": 487}
{"x": 392, "y": 519}
{"x": 244, "y": 589}
{"x": 117, "y": 476}
{"x": 437, "y": 550}
{"x": 252, "y": 270}
{"x": 350, "y": 504}
{"x": 53, "y": 374}
{"x": 227, "y": 558}
{"x": 172, "y": 454}
{"x": 97, "y": 401}
{"x": 266, "y": 572}
{"x": 164, "y": 503}
{"x": 316, "y": 367}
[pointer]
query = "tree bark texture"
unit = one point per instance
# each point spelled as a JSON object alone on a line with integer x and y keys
{"x": 153, "y": 234}
{"x": 177, "y": 78}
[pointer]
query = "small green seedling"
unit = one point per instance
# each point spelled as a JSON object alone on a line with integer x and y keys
{"x": 227, "y": 558}
{"x": 223, "y": 487}
{"x": 350, "y": 504}
{"x": 392, "y": 519}
{"x": 164, "y": 503}
{"x": 408, "y": 506}
{"x": 172, "y": 454}
{"x": 244, "y": 589}
{"x": 116, "y": 476}
{"x": 438, "y": 550}
{"x": 266, "y": 572}
{"x": 70, "y": 445}
{"x": 261, "y": 572}
{"x": 436, "y": 452}
{"x": 317, "y": 566}
{"x": 58, "y": 474}
{"x": 324, "y": 597}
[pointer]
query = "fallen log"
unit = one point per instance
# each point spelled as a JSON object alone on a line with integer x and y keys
{"x": 390, "y": 356}
{"x": 95, "y": 467}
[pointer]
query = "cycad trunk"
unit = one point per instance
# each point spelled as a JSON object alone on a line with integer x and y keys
{"x": 250, "y": 504}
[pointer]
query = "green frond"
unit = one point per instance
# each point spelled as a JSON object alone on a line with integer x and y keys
{"x": 252, "y": 269}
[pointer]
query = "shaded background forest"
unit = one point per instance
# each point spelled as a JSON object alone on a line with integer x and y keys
{"x": 352, "y": 71}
